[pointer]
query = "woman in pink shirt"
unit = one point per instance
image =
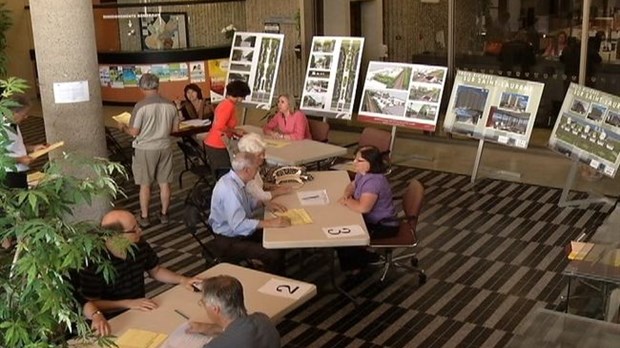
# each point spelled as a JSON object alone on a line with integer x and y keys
{"x": 289, "y": 123}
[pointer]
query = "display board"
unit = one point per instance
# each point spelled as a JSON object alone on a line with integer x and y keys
{"x": 218, "y": 69}
{"x": 255, "y": 59}
{"x": 400, "y": 94}
{"x": 493, "y": 108}
{"x": 588, "y": 128}
{"x": 331, "y": 76}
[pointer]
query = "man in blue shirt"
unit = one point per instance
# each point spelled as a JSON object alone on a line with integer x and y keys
{"x": 236, "y": 230}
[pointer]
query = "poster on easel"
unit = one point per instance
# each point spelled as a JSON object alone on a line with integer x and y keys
{"x": 399, "y": 94}
{"x": 493, "y": 108}
{"x": 331, "y": 76}
{"x": 255, "y": 59}
{"x": 588, "y": 129}
{"x": 217, "y": 70}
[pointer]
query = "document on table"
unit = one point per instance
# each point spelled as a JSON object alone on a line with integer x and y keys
{"x": 39, "y": 153}
{"x": 579, "y": 250}
{"x": 180, "y": 339}
{"x": 285, "y": 288}
{"x": 195, "y": 123}
{"x": 297, "y": 216}
{"x": 318, "y": 197}
{"x": 134, "y": 338}
{"x": 122, "y": 118}
{"x": 276, "y": 143}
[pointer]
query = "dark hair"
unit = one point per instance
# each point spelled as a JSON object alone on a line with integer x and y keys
{"x": 238, "y": 89}
{"x": 374, "y": 157}
{"x": 194, "y": 87}
{"x": 22, "y": 103}
{"x": 226, "y": 292}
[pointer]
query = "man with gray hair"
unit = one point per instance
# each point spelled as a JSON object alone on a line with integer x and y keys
{"x": 152, "y": 120}
{"x": 237, "y": 232}
{"x": 222, "y": 299}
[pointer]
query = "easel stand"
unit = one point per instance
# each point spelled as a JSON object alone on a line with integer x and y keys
{"x": 244, "y": 115}
{"x": 409, "y": 157}
{"x": 491, "y": 172}
{"x": 570, "y": 181}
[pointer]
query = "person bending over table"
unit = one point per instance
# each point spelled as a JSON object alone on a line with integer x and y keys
{"x": 127, "y": 291}
{"x": 194, "y": 106}
{"x": 236, "y": 230}
{"x": 369, "y": 194}
{"x": 224, "y": 124}
{"x": 222, "y": 299}
{"x": 254, "y": 144}
{"x": 288, "y": 123}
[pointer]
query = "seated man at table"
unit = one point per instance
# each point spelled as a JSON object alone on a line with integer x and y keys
{"x": 127, "y": 291}
{"x": 231, "y": 218}
{"x": 222, "y": 299}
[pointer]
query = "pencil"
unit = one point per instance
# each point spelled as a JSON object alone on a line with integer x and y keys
{"x": 181, "y": 314}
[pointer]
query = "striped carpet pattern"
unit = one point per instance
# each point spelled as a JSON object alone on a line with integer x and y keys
{"x": 493, "y": 252}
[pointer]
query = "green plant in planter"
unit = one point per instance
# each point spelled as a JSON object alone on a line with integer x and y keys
{"x": 37, "y": 306}
{"x": 5, "y": 24}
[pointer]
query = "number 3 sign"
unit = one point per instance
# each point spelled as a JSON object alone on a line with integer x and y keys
{"x": 285, "y": 288}
{"x": 343, "y": 231}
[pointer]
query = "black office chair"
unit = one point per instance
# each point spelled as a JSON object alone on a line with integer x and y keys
{"x": 195, "y": 216}
{"x": 195, "y": 161}
{"x": 116, "y": 152}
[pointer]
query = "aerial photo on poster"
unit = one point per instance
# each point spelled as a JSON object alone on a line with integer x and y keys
{"x": 588, "y": 129}
{"x": 400, "y": 94}
{"x": 493, "y": 108}
{"x": 331, "y": 76}
{"x": 255, "y": 59}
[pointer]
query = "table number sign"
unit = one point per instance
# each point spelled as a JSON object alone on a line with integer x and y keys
{"x": 343, "y": 231}
{"x": 285, "y": 288}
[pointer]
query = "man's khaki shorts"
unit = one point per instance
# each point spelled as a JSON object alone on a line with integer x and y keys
{"x": 152, "y": 165}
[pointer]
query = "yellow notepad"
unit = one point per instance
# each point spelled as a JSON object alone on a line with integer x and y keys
{"x": 276, "y": 143}
{"x": 122, "y": 118}
{"x": 39, "y": 153}
{"x": 134, "y": 338}
{"x": 297, "y": 216}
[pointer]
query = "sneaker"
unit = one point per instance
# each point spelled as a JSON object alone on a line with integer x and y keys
{"x": 143, "y": 221}
{"x": 163, "y": 218}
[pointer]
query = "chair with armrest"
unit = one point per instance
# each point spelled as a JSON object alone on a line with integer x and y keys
{"x": 195, "y": 161}
{"x": 319, "y": 130}
{"x": 406, "y": 236}
{"x": 370, "y": 136}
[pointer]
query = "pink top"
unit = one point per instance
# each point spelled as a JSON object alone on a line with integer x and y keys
{"x": 295, "y": 126}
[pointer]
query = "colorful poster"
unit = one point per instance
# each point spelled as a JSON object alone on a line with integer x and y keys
{"x": 255, "y": 59}
{"x": 218, "y": 70}
{"x": 588, "y": 129}
{"x": 142, "y": 69}
{"x": 400, "y": 94}
{"x": 331, "y": 76}
{"x": 178, "y": 71}
{"x": 129, "y": 76}
{"x": 197, "y": 72}
{"x": 116, "y": 77}
{"x": 162, "y": 71}
{"x": 493, "y": 108}
{"x": 104, "y": 76}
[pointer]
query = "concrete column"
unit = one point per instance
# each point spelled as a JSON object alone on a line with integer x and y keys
{"x": 64, "y": 41}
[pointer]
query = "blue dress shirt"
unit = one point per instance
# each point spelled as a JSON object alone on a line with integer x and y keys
{"x": 232, "y": 207}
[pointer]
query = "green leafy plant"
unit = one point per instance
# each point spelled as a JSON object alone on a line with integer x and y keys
{"x": 37, "y": 304}
{"x": 5, "y": 24}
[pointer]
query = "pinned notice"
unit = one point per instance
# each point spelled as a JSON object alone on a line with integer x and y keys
{"x": 39, "y": 153}
{"x": 71, "y": 92}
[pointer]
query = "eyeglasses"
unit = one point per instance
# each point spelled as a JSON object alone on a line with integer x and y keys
{"x": 135, "y": 229}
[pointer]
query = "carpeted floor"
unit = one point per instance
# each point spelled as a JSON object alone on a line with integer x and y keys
{"x": 493, "y": 253}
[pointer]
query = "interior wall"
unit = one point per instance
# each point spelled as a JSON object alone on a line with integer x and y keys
{"x": 19, "y": 42}
{"x": 336, "y": 21}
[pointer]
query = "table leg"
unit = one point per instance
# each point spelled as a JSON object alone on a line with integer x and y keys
{"x": 332, "y": 264}
{"x": 567, "y": 294}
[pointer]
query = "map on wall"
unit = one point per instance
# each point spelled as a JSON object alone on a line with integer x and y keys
{"x": 255, "y": 59}
{"x": 331, "y": 76}
{"x": 588, "y": 129}
{"x": 400, "y": 94}
{"x": 493, "y": 108}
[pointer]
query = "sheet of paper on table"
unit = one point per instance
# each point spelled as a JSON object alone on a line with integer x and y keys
{"x": 297, "y": 216}
{"x": 318, "y": 197}
{"x": 134, "y": 338}
{"x": 195, "y": 123}
{"x": 276, "y": 143}
{"x": 343, "y": 231}
{"x": 122, "y": 118}
{"x": 180, "y": 339}
{"x": 579, "y": 250}
{"x": 39, "y": 153}
{"x": 285, "y": 288}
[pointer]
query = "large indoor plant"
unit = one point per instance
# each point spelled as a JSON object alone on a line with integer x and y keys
{"x": 37, "y": 306}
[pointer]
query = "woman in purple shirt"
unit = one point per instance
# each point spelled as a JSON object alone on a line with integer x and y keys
{"x": 289, "y": 123}
{"x": 369, "y": 194}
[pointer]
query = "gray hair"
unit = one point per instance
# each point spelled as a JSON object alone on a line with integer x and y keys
{"x": 149, "y": 81}
{"x": 252, "y": 143}
{"x": 292, "y": 104}
{"x": 226, "y": 292}
{"x": 243, "y": 160}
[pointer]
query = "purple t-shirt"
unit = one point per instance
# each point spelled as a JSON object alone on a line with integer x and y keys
{"x": 377, "y": 184}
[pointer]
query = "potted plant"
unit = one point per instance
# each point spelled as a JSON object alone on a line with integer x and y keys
{"x": 37, "y": 306}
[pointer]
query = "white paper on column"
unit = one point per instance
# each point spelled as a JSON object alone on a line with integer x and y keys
{"x": 285, "y": 288}
{"x": 71, "y": 92}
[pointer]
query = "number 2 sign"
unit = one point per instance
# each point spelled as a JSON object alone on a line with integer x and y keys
{"x": 285, "y": 288}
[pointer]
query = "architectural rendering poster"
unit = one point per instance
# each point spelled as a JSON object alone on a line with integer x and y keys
{"x": 493, "y": 108}
{"x": 588, "y": 128}
{"x": 331, "y": 77}
{"x": 401, "y": 94}
{"x": 255, "y": 59}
